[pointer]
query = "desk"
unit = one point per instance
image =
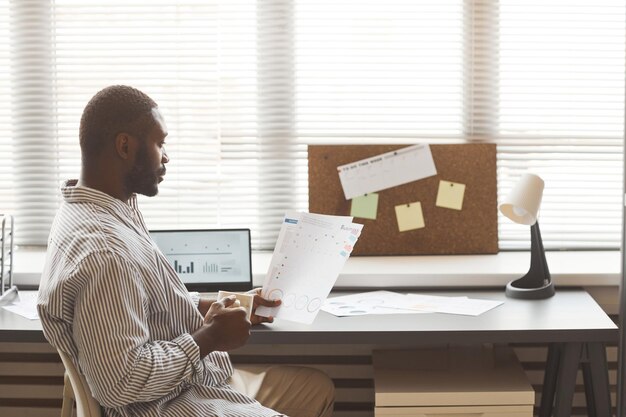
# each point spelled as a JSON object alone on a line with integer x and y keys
{"x": 571, "y": 322}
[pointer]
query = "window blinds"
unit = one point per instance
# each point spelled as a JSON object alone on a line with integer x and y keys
{"x": 561, "y": 114}
{"x": 245, "y": 85}
{"x": 543, "y": 79}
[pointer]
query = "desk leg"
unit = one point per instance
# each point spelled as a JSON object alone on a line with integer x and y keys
{"x": 589, "y": 397}
{"x": 549, "y": 380}
{"x": 599, "y": 384}
{"x": 568, "y": 368}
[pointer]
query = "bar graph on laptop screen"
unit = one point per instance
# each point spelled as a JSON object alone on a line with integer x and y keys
{"x": 208, "y": 260}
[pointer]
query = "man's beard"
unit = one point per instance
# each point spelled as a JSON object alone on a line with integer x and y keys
{"x": 141, "y": 179}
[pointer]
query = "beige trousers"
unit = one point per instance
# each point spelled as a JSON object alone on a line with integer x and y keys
{"x": 292, "y": 390}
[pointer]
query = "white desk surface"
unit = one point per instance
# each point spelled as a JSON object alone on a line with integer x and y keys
{"x": 570, "y": 316}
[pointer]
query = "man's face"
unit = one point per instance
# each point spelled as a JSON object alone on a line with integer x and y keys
{"x": 149, "y": 168}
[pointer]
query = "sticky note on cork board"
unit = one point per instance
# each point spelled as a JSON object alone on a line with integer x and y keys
{"x": 450, "y": 195}
{"x": 410, "y": 216}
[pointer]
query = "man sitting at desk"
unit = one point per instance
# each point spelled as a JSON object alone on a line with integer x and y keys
{"x": 111, "y": 301}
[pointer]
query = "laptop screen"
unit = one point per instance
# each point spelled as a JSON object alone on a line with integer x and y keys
{"x": 208, "y": 260}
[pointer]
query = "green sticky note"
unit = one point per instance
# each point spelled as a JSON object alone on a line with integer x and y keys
{"x": 450, "y": 195}
{"x": 410, "y": 216}
{"x": 365, "y": 206}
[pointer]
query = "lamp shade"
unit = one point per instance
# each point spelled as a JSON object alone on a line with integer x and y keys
{"x": 522, "y": 203}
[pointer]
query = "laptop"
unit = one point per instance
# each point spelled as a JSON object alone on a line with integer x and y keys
{"x": 208, "y": 260}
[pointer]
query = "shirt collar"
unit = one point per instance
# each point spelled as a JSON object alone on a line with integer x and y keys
{"x": 73, "y": 193}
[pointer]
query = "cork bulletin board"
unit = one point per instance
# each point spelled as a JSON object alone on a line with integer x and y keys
{"x": 471, "y": 230}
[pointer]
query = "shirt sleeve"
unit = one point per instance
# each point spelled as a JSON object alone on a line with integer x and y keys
{"x": 121, "y": 363}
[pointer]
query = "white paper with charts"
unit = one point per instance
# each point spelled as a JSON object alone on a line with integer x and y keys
{"x": 310, "y": 252}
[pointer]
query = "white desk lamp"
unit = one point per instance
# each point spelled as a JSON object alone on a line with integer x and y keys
{"x": 522, "y": 206}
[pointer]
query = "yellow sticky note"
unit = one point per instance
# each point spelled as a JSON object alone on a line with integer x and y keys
{"x": 410, "y": 216}
{"x": 365, "y": 206}
{"x": 450, "y": 195}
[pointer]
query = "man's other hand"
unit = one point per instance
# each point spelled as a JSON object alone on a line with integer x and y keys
{"x": 225, "y": 326}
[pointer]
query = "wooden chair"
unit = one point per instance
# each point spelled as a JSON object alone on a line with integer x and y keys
{"x": 77, "y": 391}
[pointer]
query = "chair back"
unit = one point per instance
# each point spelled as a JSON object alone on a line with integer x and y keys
{"x": 86, "y": 405}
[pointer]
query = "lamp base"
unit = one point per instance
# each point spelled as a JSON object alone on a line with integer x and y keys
{"x": 513, "y": 290}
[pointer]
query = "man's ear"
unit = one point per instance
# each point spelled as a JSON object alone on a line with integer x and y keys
{"x": 125, "y": 146}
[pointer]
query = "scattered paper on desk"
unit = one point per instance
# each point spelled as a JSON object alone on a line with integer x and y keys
{"x": 451, "y": 305}
{"x": 387, "y": 302}
{"x": 450, "y": 195}
{"x": 310, "y": 252}
{"x": 365, "y": 206}
{"x": 410, "y": 216}
{"x": 386, "y": 170}
{"x": 25, "y": 306}
{"x": 375, "y": 302}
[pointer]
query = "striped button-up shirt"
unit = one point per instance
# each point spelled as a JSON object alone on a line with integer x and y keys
{"x": 110, "y": 300}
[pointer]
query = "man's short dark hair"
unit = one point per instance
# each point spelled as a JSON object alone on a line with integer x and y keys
{"x": 114, "y": 110}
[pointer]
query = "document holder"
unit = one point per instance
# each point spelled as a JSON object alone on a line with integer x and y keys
{"x": 8, "y": 291}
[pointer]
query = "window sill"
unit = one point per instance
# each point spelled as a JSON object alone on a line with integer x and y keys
{"x": 568, "y": 268}
{"x": 576, "y": 268}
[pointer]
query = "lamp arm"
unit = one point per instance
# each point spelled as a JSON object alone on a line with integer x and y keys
{"x": 538, "y": 255}
{"x": 538, "y": 275}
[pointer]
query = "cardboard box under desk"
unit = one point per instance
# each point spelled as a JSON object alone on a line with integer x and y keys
{"x": 483, "y": 381}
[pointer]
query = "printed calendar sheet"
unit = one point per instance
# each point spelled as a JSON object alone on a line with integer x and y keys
{"x": 310, "y": 252}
